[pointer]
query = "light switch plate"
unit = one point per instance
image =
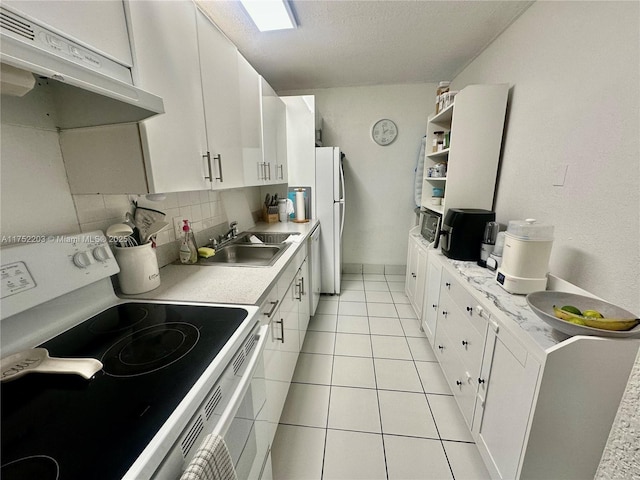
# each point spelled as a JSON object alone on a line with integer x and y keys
{"x": 560, "y": 175}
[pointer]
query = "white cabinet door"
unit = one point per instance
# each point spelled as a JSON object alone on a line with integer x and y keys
{"x": 289, "y": 317}
{"x": 305, "y": 304}
{"x": 431, "y": 298}
{"x": 221, "y": 94}
{"x": 505, "y": 397}
{"x": 421, "y": 277}
{"x": 165, "y": 45}
{"x": 281, "y": 173}
{"x": 251, "y": 123}
{"x": 101, "y": 25}
{"x": 412, "y": 269}
{"x": 416, "y": 275}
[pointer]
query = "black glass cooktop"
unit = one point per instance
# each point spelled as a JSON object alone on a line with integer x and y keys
{"x": 66, "y": 427}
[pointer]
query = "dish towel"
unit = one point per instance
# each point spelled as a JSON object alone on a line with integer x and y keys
{"x": 212, "y": 461}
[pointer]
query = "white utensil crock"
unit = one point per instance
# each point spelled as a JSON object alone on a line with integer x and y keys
{"x": 139, "y": 270}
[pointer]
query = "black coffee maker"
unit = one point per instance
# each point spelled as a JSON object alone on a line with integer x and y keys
{"x": 462, "y": 232}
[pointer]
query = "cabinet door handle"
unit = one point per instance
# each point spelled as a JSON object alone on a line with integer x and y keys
{"x": 281, "y": 167}
{"x": 448, "y": 285}
{"x": 434, "y": 306}
{"x": 444, "y": 313}
{"x": 281, "y": 322}
{"x": 441, "y": 347}
{"x": 299, "y": 288}
{"x": 469, "y": 309}
{"x": 219, "y": 158}
{"x": 208, "y": 157}
{"x": 273, "y": 308}
{"x": 464, "y": 343}
{"x": 302, "y": 286}
{"x": 268, "y": 171}
{"x": 459, "y": 383}
{"x": 480, "y": 380}
{"x": 413, "y": 275}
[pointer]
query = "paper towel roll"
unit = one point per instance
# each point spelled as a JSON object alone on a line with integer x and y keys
{"x": 300, "y": 213}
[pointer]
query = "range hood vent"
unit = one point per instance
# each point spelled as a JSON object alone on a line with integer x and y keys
{"x": 89, "y": 88}
{"x": 16, "y": 25}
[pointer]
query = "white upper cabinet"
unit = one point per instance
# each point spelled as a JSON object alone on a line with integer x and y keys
{"x": 164, "y": 41}
{"x": 215, "y": 124}
{"x": 221, "y": 94}
{"x": 251, "y": 126}
{"x": 274, "y": 135}
{"x": 100, "y": 25}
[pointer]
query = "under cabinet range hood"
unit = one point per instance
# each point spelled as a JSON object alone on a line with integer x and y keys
{"x": 88, "y": 88}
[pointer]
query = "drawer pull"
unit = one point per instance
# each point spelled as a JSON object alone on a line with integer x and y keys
{"x": 448, "y": 285}
{"x": 480, "y": 381}
{"x": 464, "y": 343}
{"x": 413, "y": 275}
{"x": 281, "y": 322}
{"x": 469, "y": 309}
{"x": 441, "y": 347}
{"x": 273, "y": 308}
{"x": 434, "y": 306}
{"x": 444, "y": 312}
{"x": 459, "y": 383}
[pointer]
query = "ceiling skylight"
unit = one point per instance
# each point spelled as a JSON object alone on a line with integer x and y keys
{"x": 269, "y": 14}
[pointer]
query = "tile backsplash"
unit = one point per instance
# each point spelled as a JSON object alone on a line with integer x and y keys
{"x": 204, "y": 209}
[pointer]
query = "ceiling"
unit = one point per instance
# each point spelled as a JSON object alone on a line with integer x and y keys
{"x": 373, "y": 42}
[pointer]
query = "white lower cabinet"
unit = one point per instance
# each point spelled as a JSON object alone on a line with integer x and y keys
{"x": 416, "y": 273}
{"x": 286, "y": 310}
{"x": 431, "y": 298}
{"x": 507, "y": 386}
{"x": 534, "y": 412}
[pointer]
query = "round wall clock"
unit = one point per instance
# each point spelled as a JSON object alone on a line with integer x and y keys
{"x": 384, "y": 132}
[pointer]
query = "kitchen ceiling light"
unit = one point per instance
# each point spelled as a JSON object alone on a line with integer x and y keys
{"x": 270, "y": 14}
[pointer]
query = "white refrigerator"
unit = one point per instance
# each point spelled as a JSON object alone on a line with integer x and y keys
{"x": 330, "y": 208}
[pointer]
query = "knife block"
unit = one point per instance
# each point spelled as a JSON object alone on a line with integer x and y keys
{"x": 269, "y": 217}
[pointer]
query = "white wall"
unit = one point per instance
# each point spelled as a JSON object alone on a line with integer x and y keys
{"x": 574, "y": 70}
{"x": 379, "y": 180}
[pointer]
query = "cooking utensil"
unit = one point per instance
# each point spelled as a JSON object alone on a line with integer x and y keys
{"x": 118, "y": 230}
{"x": 542, "y": 304}
{"x": 38, "y": 360}
{"x": 122, "y": 235}
{"x": 153, "y": 230}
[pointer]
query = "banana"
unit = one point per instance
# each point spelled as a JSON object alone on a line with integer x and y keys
{"x": 618, "y": 324}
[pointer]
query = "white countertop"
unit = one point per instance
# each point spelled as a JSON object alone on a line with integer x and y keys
{"x": 227, "y": 284}
{"x": 514, "y": 307}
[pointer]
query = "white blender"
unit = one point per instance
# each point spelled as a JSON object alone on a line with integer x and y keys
{"x": 525, "y": 258}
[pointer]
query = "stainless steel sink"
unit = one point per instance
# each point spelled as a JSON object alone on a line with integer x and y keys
{"x": 245, "y": 254}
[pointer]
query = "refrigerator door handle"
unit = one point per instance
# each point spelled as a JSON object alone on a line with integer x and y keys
{"x": 343, "y": 192}
{"x": 342, "y": 207}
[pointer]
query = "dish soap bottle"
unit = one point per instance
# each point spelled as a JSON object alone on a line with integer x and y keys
{"x": 188, "y": 249}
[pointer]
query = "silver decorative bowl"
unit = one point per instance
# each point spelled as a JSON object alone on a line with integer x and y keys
{"x": 542, "y": 304}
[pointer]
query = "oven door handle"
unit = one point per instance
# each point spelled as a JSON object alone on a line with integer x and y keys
{"x": 230, "y": 411}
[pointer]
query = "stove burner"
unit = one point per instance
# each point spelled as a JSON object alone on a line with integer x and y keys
{"x": 150, "y": 349}
{"x": 41, "y": 467}
{"x": 117, "y": 319}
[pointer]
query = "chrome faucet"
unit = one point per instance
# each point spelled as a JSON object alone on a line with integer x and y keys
{"x": 231, "y": 234}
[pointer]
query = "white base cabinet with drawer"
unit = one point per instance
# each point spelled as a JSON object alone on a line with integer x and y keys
{"x": 539, "y": 406}
{"x": 286, "y": 311}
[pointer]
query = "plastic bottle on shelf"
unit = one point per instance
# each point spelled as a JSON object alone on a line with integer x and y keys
{"x": 443, "y": 87}
{"x": 188, "y": 249}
